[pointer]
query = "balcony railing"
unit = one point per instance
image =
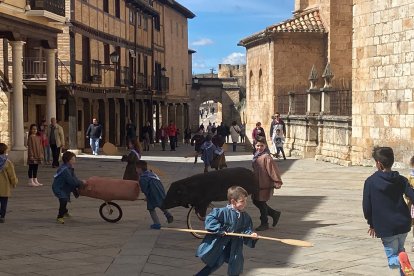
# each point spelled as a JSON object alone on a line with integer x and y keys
{"x": 34, "y": 68}
{"x": 53, "y": 6}
{"x": 142, "y": 81}
{"x": 161, "y": 83}
{"x": 125, "y": 76}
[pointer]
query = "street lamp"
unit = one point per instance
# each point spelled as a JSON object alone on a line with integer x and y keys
{"x": 114, "y": 59}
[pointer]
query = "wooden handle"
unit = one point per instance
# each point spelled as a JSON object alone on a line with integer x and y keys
{"x": 285, "y": 241}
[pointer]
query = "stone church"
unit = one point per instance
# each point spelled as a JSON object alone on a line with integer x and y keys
{"x": 341, "y": 74}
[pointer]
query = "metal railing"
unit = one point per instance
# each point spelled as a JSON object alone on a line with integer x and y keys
{"x": 63, "y": 73}
{"x": 283, "y": 104}
{"x": 301, "y": 101}
{"x": 161, "y": 83}
{"x": 53, "y": 6}
{"x": 341, "y": 102}
{"x": 125, "y": 76}
{"x": 34, "y": 68}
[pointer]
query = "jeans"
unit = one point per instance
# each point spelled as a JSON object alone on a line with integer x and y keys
{"x": 47, "y": 153}
{"x": 55, "y": 155}
{"x": 3, "y": 208}
{"x": 393, "y": 246}
{"x": 62, "y": 207}
{"x": 94, "y": 142}
{"x": 234, "y": 146}
{"x": 172, "y": 142}
{"x": 280, "y": 149}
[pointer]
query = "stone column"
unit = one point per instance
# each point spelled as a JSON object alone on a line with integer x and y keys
{"x": 171, "y": 113}
{"x": 18, "y": 152}
{"x": 164, "y": 114}
{"x": 51, "y": 83}
{"x": 180, "y": 119}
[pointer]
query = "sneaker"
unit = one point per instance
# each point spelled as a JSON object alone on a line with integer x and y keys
{"x": 156, "y": 226}
{"x": 276, "y": 217}
{"x": 262, "y": 227}
{"x": 406, "y": 267}
{"x": 32, "y": 184}
{"x": 60, "y": 221}
{"x": 2, "y": 220}
{"x": 170, "y": 219}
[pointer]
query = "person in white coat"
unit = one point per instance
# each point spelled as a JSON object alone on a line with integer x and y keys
{"x": 235, "y": 134}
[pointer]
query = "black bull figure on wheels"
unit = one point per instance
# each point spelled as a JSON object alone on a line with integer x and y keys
{"x": 201, "y": 189}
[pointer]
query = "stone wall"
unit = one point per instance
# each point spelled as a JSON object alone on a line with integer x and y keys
{"x": 383, "y": 79}
{"x": 176, "y": 52}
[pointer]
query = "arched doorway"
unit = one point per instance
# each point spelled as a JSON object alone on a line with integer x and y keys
{"x": 210, "y": 112}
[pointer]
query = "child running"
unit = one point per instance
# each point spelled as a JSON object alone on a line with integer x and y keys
{"x": 154, "y": 191}
{"x": 8, "y": 180}
{"x": 219, "y": 248}
{"x": 385, "y": 210}
{"x": 64, "y": 183}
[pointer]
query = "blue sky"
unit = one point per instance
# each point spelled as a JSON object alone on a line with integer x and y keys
{"x": 220, "y": 24}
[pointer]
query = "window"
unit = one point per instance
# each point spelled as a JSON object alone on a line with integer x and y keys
{"x": 177, "y": 27}
{"x": 106, "y": 54}
{"x": 260, "y": 84}
{"x": 157, "y": 23}
{"x": 131, "y": 17}
{"x": 145, "y": 23}
{"x": 86, "y": 59}
{"x": 139, "y": 20}
{"x": 106, "y": 6}
{"x": 118, "y": 8}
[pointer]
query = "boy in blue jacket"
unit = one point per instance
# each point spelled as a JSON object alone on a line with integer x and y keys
{"x": 65, "y": 182}
{"x": 154, "y": 191}
{"x": 386, "y": 211}
{"x": 219, "y": 248}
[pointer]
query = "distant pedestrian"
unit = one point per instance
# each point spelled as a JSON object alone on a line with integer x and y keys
{"x": 219, "y": 159}
{"x": 172, "y": 129}
{"x": 163, "y": 136}
{"x": 187, "y": 135}
{"x": 235, "y": 134}
{"x": 278, "y": 140}
{"x": 268, "y": 178}
{"x": 277, "y": 123}
{"x": 242, "y": 132}
{"x": 385, "y": 210}
{"x": 45, "y": 142}
{"x": 94, "y": 134}
{"x": 212, "y": 110}
{"x": 207, "y": 152}
{"x": 213, "y": 129}
{"x": 202, "y": 127}
{"x": 258, "y": 131}
{"x": 35, "y": 155}
{"x": 132, "y": 158}
{"x": 197, "y": 141}
{"x": 131, "y": 131}
{"x": 227, "y": 128}
{"x": 154, "y": 191}
{"x": 8, "y": 180}
{"x": 177, "y": 134}
{"x": 56, "y": 138}
{"x": 147, "y": 135}
{"x": 65, "y": 182}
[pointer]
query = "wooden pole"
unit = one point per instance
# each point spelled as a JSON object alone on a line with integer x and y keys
{"x": 285, "y": 241}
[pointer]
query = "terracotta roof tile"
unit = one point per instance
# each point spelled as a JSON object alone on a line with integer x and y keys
{"x": 306, "y": 22}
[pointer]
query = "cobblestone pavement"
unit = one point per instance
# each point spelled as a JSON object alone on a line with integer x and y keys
{"x": 320, "y": 202}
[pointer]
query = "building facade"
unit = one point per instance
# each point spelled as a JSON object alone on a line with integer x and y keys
{"x": 113, "y": 63}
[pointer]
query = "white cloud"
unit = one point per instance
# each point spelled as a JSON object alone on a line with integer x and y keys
{"x": 235, "y": 58}
{"x": 202, "y": 42}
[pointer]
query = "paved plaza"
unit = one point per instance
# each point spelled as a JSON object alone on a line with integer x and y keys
{"x": 320, "y": 202}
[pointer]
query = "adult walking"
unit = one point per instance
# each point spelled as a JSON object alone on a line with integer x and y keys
{"x": 277, "y": 123}
{"x": 147, "y": 135}
{"x": 131, "y": 131}
{"x": 163, "y": 136}
{"x": 242, "y": 132}
{"x": 94, "y": 134}
{"x": 257, "y": 132}
{"x": 235, "y": 134}
{"x": 268, "y": 178}
{"x": 56, "y": 138}
{"x": 172, "y": 129}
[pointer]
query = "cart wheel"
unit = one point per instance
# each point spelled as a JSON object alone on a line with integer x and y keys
{"x": 110, "y": 211}
{"x": 196, "y": 221}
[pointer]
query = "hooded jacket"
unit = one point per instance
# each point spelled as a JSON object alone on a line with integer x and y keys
{"x": 383, "y": 204}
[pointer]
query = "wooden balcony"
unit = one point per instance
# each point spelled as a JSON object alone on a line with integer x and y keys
{"x": 53, "y": 10}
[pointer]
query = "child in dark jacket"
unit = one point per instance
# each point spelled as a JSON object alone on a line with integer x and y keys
{"x": 65, "y": 182}
{"x": 154, "y": 191}
{"x": 386, "y": 211}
